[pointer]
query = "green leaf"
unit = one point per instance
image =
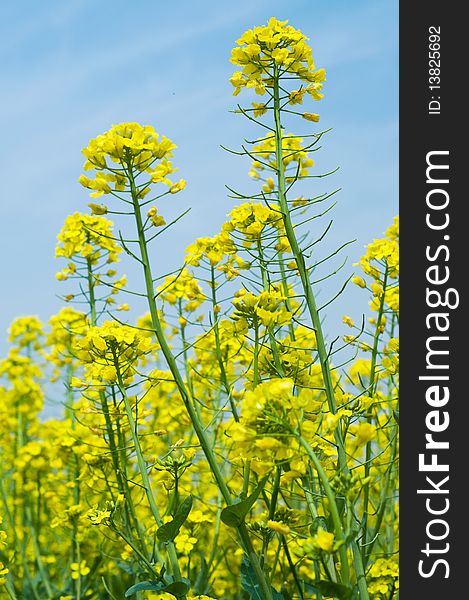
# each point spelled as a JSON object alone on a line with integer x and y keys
{"x": 285, "y": 594}
{"x": 234, "y": 514}
{"x": 309, "y": 587}
{"x": 144, "y": 585}
{"x": 329, "y": 588}
{"x": 352, "y": 535}
{"x": 201, "y": 584}
{"x": 250, "y": 585}
{"x": 176, "y": 588}
{"x": 169, "y": 531}
{"x": 125, "y": 567}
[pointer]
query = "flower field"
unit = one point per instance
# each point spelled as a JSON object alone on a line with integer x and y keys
{"x": 221, "y": 446}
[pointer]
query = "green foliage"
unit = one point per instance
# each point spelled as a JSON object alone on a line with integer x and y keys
{"x": 234, "y": 515}
{"x": 169, "y": 531}
{"x": 250, "y": 585}
{"x": 329, "y": 588}
{"x": 176, "y": 588}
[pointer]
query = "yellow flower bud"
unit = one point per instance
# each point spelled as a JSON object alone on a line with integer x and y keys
{"x": 311, "y": 117}
{"x": 359, "y": 281}
{"x": 98, "y": 209}
{"x": 278, "y": 527}
{"x": 177, "y": 187}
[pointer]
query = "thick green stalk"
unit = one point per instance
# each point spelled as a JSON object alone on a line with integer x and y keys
{"x": 76, "y": 476}
{"x": 371, "y": 386}
{"x": 304, "y": 275}
{"x": 283, "y": 275}
{"x": 255, "y": 369}
{"x": 317, "y": 325}
{"x": 384, "y": 500}
{"x": 185, "y": 346}
{"x": 142, "y": 557}
{"x": 344, "y": 566}
{"x": 10, "y": 590}
{"x": 314, "y": 514}
{"x": 272, "y": 505}
{"x": 360, "y": 572}
{"x": 131, "y": 521}
{"x": 142, "y": 466}
{"x": 78, "y": 579}
{"x": 266, "y": 286}
{"x": 170, "y": 359}
{"x": 185, "y": 396}
{"x": 91, "y": 296}
{"x": 115, "y": 454}
{"x": 221, "y": 364}
{"x": 37, "y": 553}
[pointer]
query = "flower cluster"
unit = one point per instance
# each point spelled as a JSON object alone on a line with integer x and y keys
{"x": 26, "y": 332}
{"x": 296, "y": 357}
{"x": 66, "y": 326}
{"x": 127, "y": 148}
{"x": 215, "y": 249}
{"x": 272, "y": 48}
{"x": 266, "y": 308}
{"x": 219, "y": 251}
{"x": 88, "y": 237}
{"x": 381, "y": 263}
{"x": 269, "y": 415}
{"x": 182, "y": 287}
{"x": 252, "y": 219}
{"x": 111, "y": 352}
{"x": 384, "y": 574}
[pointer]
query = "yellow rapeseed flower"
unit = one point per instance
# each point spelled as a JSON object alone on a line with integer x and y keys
{"x": 263, "y": 51}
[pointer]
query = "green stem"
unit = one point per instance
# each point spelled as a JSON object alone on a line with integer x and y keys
{"x": 221, "y": 364}
{"x": 116, "y": 456}
{"x": 246, "y": 476}
{"x": 131, "y": 520}
{"x": 332, "y": 507}
{"x": 303, "y": 271}
{"x": 78, "y": 579}
{"x": 288, "y": 306}
{"x": 185, "y": 347}
{"x": 384, "y": 500}
{"x": 91, "y": 297}
{"x": 359, "y": 572}
{"x": 255, "y": 375}
{"x": 70, "y": 414}
{"x": 291, "y": 564}
{"x": 10, "y": 590}
{"x": 142, "y": 557}
{"x": 371, "y": 385}
{"x": 40, "y": 565}
{"x": 272, "y": 506}
{"x": 266, "y": 286}
{"x": 172, "y": 364}
{"x": 142, "y": 466}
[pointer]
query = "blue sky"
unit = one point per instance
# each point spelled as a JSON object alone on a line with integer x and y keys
{"x": 72, "y": 69}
